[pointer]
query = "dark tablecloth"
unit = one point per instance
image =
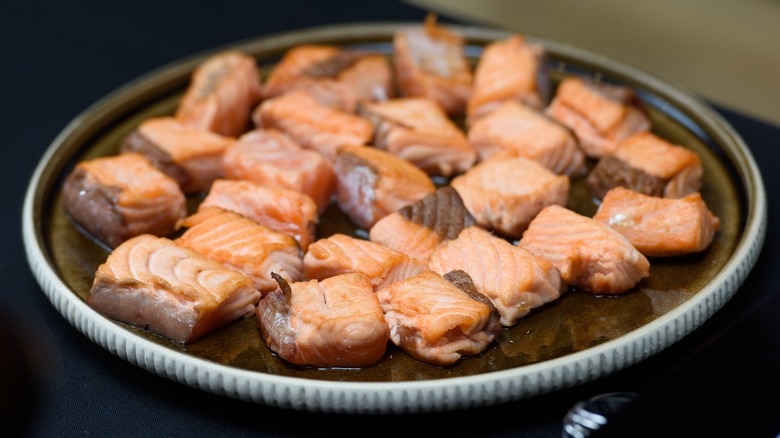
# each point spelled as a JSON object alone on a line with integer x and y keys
{"x": 60, "y": 57}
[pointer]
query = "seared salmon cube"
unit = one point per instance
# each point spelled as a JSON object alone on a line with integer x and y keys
{"x": 269, "y": 158}
{"x": 335, "y": 322}
{"x": 191, "y": 155}
{"x": 504, "y": 193}
{"x": 512, "y": 69}
{"x": 335, "y": 76}
{"x": 590, "y": 255}
{"x": 517, "y": 129}
{"x": 288, "y": 211}
{"x": 430, "y": 62}
{"x": 659, "y": 227}
{"x": 118, "y": 197}
{"x": 312, "y": 124}
{"x": 222, "y": 93}
{"x": 372, "y": 183}
{"x": 152, "y": 283}
{"x": 648, "y": 164}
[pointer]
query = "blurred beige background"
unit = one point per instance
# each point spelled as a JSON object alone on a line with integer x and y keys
{"x": 727, "y": 51}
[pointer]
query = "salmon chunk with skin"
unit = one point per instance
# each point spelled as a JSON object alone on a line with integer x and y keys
{"x": 242, "y": 244}
{"x": 312, "y": 124}
{"x": 336, "y": 322}
{"x": 335, "y": 76}
{"x": 420, "y": 227}
{"x": 419, "y": 131}
{"x": 269, "y": 158}
{"x": 372, "y": 183}
{"x": 504, "y": 193}
{"x": 514, "y": 279}
{"x": 659, "y": 227}
{"x": 222, "y": 93}
{"x": 430, "y": 62}
{"x": 512, "y": 69}
{"x": 590, "y": 255}
{"x": 438, "y": 321}
{"x": 118, "y": 197}
{"x": 152, "y": 283}
{"x": 648, "y": 164}
{"x": 190, "y": 155}
{"x": 288, "y": 211}
{"x": 340, "y": 253}
{"x": 601, "y": 115}
{"x": 517, "y": 129}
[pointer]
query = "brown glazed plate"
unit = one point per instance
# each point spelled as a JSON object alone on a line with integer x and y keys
{"x": 576, "y": 339}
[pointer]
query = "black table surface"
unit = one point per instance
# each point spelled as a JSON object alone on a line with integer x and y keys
{"x": 60, "y": 57}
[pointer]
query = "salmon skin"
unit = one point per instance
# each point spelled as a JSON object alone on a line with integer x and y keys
{"x": 222, "y": 93}
{"x": 429, "y": 61}
{"x": 600, "y": 114}
{"x": 512, "y": 69}
{"x": 372, "y": 183}
{"x": 514, "y": 279}
{"x": 269, "y": 158}
{"x": 118, "y": 197}
{"x": 313, "y": 124}
{"x": 419, "y": 131}
{"x": 288, "y": 211}
{"x": 650, "y": 165}
{"x": 590, "y": 255}
{"x": 504, "y": 193}
{"x": 190, "y": 155}
{"x": 659, "y": 227}
{"x": 420, "y": 227}
{"x": 437, "y": 322}
{"x": 244, "y": 245}
{"x": 336, "y": 322}
{"x": 339, "y": 254}
{"x": 335, "y": 76}
{"x": 176, "y": 292}
{"x": 517, "y": 129}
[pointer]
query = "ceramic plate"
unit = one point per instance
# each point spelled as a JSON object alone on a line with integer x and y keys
{"x": 578, "y": 338}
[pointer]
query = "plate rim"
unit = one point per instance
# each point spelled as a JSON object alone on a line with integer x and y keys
{"x": 407, "y": 396}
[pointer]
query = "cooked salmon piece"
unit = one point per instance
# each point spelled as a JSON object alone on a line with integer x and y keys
{"x": 335, "y": 76}
{"x": 437, "y": 322}
{"x": 648, "y": 164}
{"x": 512, "y": 69}
{"x": 192, "y": 156}
{"x": 419, "y": 131}
{"x": 659, "y": 227}
{"x": 430, "y": 62}
{"x": 339, "y": 254}
{"x": 504, "y": 193}
{"x": 269, "y": 158}
{"x": 517, "y": 129}
{"x": 590, "y": 255}
{"x": 222, "y": 93}
{"x": 372, "y": 183}
{"x": 418, "y": 228}
{"x": 514, "y": 279}
{"x": 290, "y": 72}
{"x": 599, "y": 114}
{"x": 336, "y": 322}
{"x": 176, "y": 292}
{"x": 370, "y": 76}
{"x": 312, "y": 124}
{"x": 288, "y": 211}
{"x": 115, "y": 198}
{"x": 243, "y": 245}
